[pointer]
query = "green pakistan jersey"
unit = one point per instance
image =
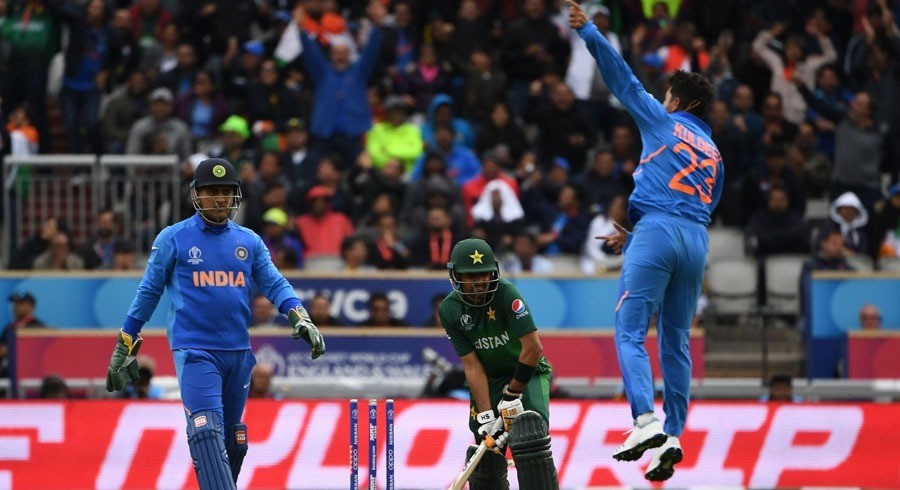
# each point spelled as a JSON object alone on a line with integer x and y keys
{"x": 492, "y": 330}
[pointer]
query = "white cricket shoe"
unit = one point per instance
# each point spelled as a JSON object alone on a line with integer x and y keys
{"x": 646, "y": 434}
{"x": 662, "y": 466}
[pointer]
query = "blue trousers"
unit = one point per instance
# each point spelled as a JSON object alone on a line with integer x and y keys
{"x": 214, "y": 380}
{"x": 663, "y": 272}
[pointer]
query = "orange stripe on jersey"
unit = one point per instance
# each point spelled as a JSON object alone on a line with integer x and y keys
{"x": 650, "y": 156}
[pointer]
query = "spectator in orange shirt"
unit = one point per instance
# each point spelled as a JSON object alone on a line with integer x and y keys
{"x": 321, "y": 229}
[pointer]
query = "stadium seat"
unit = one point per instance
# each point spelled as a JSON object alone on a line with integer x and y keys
{"x": 783, "y": 284}
{"x": 889, "y": 264}
{"x": 733, "y": 284}
{"x": 817, "y": 210}
{"x": 861, "y": 263}
{"x": 725, "y": 243}
{"x": 565, "y": 264}
{"x": 323, "y": 263}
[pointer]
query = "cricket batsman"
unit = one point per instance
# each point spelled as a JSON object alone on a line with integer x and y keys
{"x": 207, "y": 262}
{"x": 493, "y": 332}
{"x": 677, "y": 185}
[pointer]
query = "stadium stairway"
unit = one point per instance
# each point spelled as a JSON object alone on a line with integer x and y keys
{"x": 736, "y": 351}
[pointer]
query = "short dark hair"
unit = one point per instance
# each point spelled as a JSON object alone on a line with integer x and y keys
{"x": 781, "y": 379}
{"x": 691, "y": 87}
{"x": 378, "y": 296}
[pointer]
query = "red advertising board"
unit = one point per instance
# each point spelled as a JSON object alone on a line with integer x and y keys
{"x": 304, "y": 445}
{"x": 873, "y": 355}
{"x": 85, "y": 353}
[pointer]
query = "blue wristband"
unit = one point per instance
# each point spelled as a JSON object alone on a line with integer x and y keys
{"x": 289, "y": 304}
{"x": 132, "y": 326}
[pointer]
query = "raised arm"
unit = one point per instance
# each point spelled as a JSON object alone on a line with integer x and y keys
{"x": 762, "y": 49}
{"x": 646, "y": 110}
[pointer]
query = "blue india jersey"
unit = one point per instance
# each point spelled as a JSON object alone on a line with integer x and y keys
{"x": 681, "y": 171}
{"x": 208, "y": 271}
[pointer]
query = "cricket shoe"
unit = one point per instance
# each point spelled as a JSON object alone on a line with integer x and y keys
{"x": 646, "y": 434}
{"x": 662, "y": 466}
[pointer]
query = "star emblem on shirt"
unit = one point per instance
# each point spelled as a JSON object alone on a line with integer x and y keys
{"x": 491, "y": 313}
{"x": 476, "y": 257}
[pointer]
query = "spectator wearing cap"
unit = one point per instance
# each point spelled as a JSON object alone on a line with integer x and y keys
{"x": 462, "y": 164}
{"x": 268, "y": 99}
{"x": 490, "y": 170}
{"x": 235, "y": 132}
{"x": 296, "y": 161}
{"x": 275, "y": 221}
{"x": 23, "y": 317}
{"x": 125, "y": 107}
{"x": 202, "y": 108}
{"x": 775, "y": 172}
{"x": 564, "y": 128}
{"x": 86, "y": 69}
{"x": 240, "y": 67}
{"x": 160, "y": 121}
{"x": 180, "y": 79}
{"x": 341, "y": 114}
{"x": 322, "y": 230}
{"x": 395, "y": 137}
{"x": 886, "y": 224}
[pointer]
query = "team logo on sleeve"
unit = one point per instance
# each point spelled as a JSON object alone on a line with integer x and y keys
{"x": 194, "y": 255}
{"x": 241, "y": 253}
{"x": 518, "y": 307}
{"x": 466, "y": 321}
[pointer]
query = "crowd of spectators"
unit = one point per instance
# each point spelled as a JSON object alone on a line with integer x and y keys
{"x": 380, "y": 132}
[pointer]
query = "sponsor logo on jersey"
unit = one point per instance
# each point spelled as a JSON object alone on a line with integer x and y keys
{"x": 194, "y": 255}
{"x": 234, "y": 279}
{"x": 241, "y": 253}
{"x": 518, "y": 306}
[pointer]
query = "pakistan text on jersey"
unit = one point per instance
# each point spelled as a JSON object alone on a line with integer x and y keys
{"x": 233, "y": 279}
{"x": 485, "y": 343}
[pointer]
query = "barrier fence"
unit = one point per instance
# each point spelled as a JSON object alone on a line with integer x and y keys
{"x": 303, "y": 445}
{"x": 145, "y": 191}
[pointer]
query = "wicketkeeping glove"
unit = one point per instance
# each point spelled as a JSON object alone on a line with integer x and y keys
{"x": 306, "y": 330}
{"x": 510, "y": 406}
{"x": 492, "y": 427}
{"x": 123, "y": 366}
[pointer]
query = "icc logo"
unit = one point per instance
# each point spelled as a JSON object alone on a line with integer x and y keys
{"x": 466, "y": 321}
{"x": 194, "y": 255}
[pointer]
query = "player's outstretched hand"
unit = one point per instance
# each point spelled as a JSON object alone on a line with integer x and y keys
{"x": 306, "y": 330}
{"x": 492, "y": 430}
{"x": 577, "y": 17}
{"x": 617, "y": 240}
{"x": 123, "y": 365}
